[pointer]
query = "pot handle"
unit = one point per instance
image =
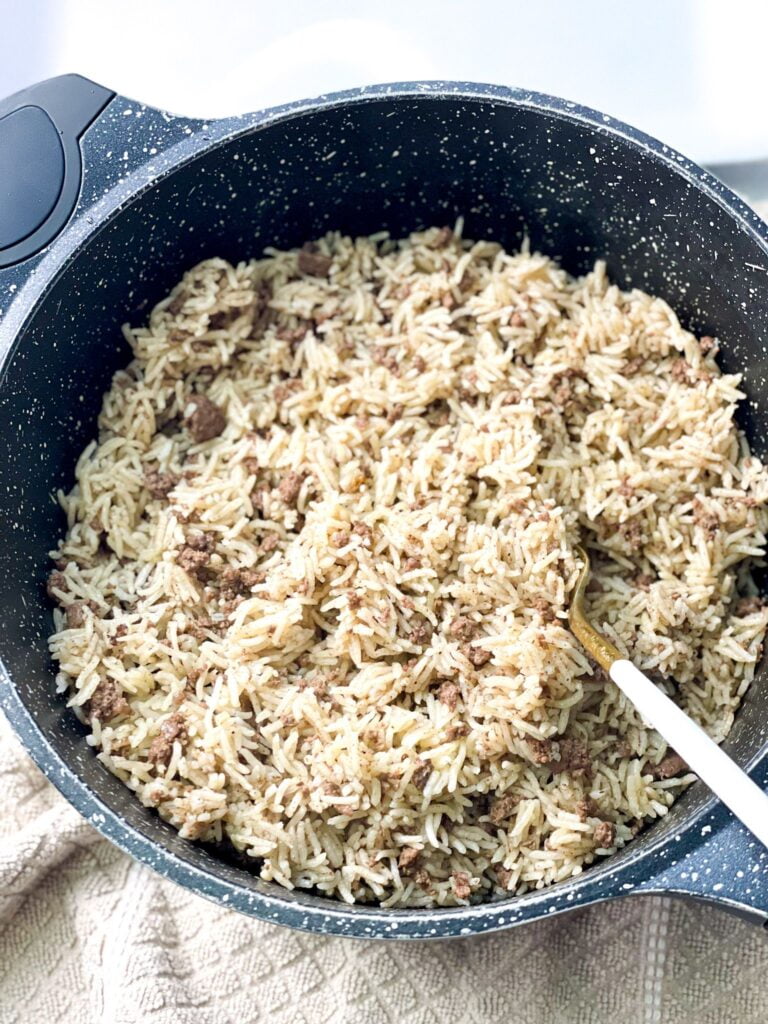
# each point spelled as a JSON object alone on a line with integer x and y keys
{"x": 40, "y": 160}
{"x": 718, "y": 861}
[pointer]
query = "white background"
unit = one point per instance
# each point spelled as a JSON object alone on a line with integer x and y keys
{"x": 692, "y": 72}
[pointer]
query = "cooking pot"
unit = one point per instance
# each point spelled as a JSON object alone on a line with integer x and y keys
{"x": 104, "y": 203}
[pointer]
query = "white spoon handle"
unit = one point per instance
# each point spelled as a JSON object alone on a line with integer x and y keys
{"x": 713, "y": 766}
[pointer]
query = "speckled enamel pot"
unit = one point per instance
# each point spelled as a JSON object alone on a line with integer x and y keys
{"x": 158, "y": 193}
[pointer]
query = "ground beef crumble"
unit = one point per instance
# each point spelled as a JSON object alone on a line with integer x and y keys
{"x": 408, "y": 860}
{"x": 161, "y": 747}
{"x": 749, "y": 606}
{"x": 108, "y": 701}
{"x": 206, "y": 420}
{"x": 502, "y": 808}
{"x": 289, "y": 488}
{"x": 159, "y": 484}
{"x": 463, "y": 628}
{"x": 56, "y": 581}
{"x": 313, "y": 262}
{"x": 669, "y": 767}
{"x": 477, "y": 656}
{"x": 191, "y": 560}
{"x": 565, "y": 754}
{"x": 461, "y": 887}
{"x": 449, "y": 694}
{"x": 705, "y": 518}
{"x": 75, "y": 613}
{"x": 420, "y": 777}
{"x": 605, "y": 835}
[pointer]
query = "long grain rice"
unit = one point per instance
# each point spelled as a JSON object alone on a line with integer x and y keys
{"x": 395, "y": 710}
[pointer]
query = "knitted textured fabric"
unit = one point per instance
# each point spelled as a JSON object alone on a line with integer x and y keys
{"x": 87, "y": 935}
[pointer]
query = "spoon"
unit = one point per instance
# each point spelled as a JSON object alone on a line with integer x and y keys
{"x": 713, "y": 766}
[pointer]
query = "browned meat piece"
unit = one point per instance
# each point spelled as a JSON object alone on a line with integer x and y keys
{"x": 159, "y": 484}
{"x": 502, "y": 808}
{"x": 504, "y": 878}
{"x": 206, "y": 420}
{"x": 574, "y": 757}
{"x": 421, "y": 631}
{"x": 680, "y": 370}
{"x": 477, "y": 656}
{"x": 643, "y": 581}
{"x": 408, "y": 860}
{"x": 421, "y": 776}
{"x": 340, "y": 538}
{"x": 545, "y": 610}
{"x": 200, "y": 541}
{"x": 161, "y": 748}
{"x": 192, "y": 561}
{"x": 562, "y": 384}
{"x": 605, "y": 835}
{"x": 285, "y": 389}
{"x": 455, "y": 732}
{"x": 292, "y": 334}
{"x": 318, "y": 684}
{"x": 239, "y": 582}
{"x": 749, "y": 606}
{"x": 422, "y": 879}
{"x": 192, "y": 677}
{"x": 176, "y": 304}
{"x": 354, "y": 599}
{"x": 289, "y": 487}
{"x": 461, "y": 887}
{"x": 385, "y": 358}
{"x": 199, "y": 628}
{"x": 633, "y": 366}
{"x": 449, "y": 694}
{"x": 108, "y": 701}
{"x": 705, "y": 518}
{"x": 313, "y": 262}
{"x": 563, "y": 394}
{"x": 411, "y": 563}
{"x": 707, "y": 343}
{"x": 667, "y": 768}
{"x": 75, "y": 613}
{"x": 586, "y": 808}
{"x": 541, "y": 751}
{"x": 463, "y": 628}
{"x": 364, "y": 531}
{"x": 632, "y": 531}
{"x": 563, "y": 755}
{"x": 395, "y": 413}
{"x": 269, "y": 543}
{"x": 56, "y": 581}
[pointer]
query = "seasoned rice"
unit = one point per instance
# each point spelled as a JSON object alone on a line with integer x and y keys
{"x": 314, "y": 588}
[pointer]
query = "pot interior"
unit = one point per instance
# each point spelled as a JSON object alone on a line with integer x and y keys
{"x": 401, "y": 163}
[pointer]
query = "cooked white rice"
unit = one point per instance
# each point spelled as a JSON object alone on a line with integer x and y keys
{"x": 392, "y": 707}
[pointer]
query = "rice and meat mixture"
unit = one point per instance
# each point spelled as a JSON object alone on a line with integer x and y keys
{"x": 314, "y": 588}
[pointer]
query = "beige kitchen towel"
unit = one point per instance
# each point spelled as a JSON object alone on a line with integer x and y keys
{"x": 87, "y": 936}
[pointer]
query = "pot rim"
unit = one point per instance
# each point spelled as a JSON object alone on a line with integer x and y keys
{"x": 607, "y": 879}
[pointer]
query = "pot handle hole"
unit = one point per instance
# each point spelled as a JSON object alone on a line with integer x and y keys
{"x": 41, "y": 162}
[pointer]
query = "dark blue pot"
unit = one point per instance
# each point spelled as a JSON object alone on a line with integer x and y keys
{"x": 124, "y": 198}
